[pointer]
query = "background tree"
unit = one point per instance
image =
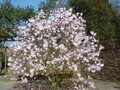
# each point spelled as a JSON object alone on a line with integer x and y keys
{"x": 116, "y": 19}
{"x": 99, "y": 16}
{"x": 11, "y": 16}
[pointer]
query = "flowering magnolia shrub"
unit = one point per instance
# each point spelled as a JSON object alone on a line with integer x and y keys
{"x": 56, "y": 43}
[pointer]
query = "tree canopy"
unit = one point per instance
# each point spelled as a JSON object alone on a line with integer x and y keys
{"x": 116, "y": 16}
{"x": 10, "y": 17}
{"x": 99, "y": 16}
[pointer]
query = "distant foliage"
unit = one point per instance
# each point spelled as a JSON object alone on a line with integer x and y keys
{"x": 99, "y": 15}
{"x": 57, "y": 43}
{"x": 11, "y": 16}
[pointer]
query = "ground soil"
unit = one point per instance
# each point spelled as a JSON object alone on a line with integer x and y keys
{"x": 43, "y": 85}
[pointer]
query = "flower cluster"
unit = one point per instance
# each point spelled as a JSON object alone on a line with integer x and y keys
{"x": 56, "y": 43}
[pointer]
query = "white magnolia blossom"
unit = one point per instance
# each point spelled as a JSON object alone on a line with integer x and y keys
{"x": 51, "y": 43}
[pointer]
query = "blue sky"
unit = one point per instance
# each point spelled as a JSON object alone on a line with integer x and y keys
{"x": 24, "y": 3}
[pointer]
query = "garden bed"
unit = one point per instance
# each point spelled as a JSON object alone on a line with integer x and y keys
{"x": 43, "y": 85}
